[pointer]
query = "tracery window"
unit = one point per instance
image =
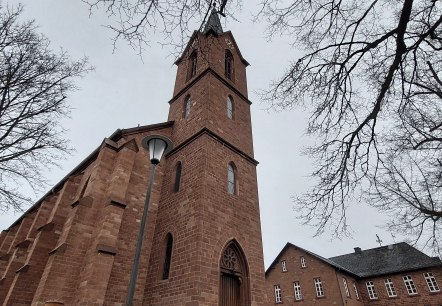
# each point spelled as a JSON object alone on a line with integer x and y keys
{"x": 234, "y": 277}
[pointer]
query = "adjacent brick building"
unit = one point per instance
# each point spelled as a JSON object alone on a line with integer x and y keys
{"x": 396, "y": 274}
{"x": 202, "y": 245}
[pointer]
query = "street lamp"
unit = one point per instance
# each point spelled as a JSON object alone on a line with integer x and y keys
{"x": 157, "y": 146}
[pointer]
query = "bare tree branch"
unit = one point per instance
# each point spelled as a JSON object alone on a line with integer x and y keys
{"x": 34, "y": 83}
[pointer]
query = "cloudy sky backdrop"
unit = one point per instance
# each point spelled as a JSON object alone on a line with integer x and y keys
{"x": 125, "y": 91}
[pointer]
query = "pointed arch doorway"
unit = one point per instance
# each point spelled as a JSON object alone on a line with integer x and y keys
{"x": 234, "y": 277}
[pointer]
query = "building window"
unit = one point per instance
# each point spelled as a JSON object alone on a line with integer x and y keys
{"x": 371, "y": 291}
{"x": 228, "y": 64}
{"x": 229, "y": 107}
{"x": 431, "y": 282}
{"x": 278, "y": 294}
{"x": 318, "y": 287}
{"x": 297, "y": 289}
{"x": 193, "y": 64}
{"x": 347, "y": 292}
{"x": 303, "y": 264}
{"x": 187, "y": 106}
{"x": 231, "y": 178}
{"x": 356, "y": 290}
{"x": 178, "y": 170}
{"x": 409, "y": 284}
{"x": 390, "y": 288}
{"x": 168, "y": 256}
{"x": 284, "y": 266}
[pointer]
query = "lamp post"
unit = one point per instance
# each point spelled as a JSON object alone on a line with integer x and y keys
{"x": 157, "y": 146}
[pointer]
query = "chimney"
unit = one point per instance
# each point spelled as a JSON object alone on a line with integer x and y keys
{"x": 358, "y": 250}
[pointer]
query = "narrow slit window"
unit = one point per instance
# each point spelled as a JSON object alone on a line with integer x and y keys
{"x": 178, "y": 170}
{"x": 231, "y": 179}
{"x": 228, "y": 64}
{"x": 187, "y": 106}
{"x": 168, "y": 256}
{"x": 229, "y": 107}
{"x": 193, "y": 64}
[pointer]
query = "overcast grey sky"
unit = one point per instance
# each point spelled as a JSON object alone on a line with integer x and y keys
{"x": 124, "y": 91}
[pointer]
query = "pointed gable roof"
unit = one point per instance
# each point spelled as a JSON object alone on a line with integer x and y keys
{"x": 388, "y": 259}
{"x": 213, "y": 24}
{"x": 323, "y": 259}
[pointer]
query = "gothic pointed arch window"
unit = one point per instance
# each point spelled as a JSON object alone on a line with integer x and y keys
{"x": 193, "y": 61}
{"x": 234, "y": 277}
{"x": 230, "y": 108}
{"x": 231, "y": 178}
{"x": 167, "y": 256}
{"x": 228, "y": 65}
{"x": 178, "y": 170}
{"x": 187, "y": 106}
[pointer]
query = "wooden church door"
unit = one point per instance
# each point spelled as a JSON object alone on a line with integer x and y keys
{"x": 234, "y": 288}
{"x": 230, "y": 290}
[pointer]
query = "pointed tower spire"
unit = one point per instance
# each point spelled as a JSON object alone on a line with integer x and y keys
{"x": 213, "y": 23}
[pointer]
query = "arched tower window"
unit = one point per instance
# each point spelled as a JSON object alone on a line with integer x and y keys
{"x": 187, "y": 106}
{"x": 234, "y": 282}
{"x": 193, "y": 64}
{"x": 167, "y": 256}
{"x": 231, "y": 178}
{"x": 228, "y": 64}
{"x": 229, "y": 107}
{"x": 176, "y": 185}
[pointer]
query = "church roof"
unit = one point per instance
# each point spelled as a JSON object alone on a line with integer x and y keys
{"x": 388, "y": 259}
{"x": 323, "y": 259}
{"x": 117, "y": 135}
{"x": 213, "y": 24}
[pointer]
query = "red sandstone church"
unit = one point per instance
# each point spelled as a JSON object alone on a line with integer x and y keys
{"x": 202, "y": 244}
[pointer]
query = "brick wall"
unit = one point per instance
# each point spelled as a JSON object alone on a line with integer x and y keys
{"x": 423, "y": 297}
{"x": 76, "y": 247}
{"x": 331, "y": 280}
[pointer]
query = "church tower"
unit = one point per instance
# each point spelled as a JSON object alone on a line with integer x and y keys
{"x": 208, "y": 232}
{"x": 202, "y": 244}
